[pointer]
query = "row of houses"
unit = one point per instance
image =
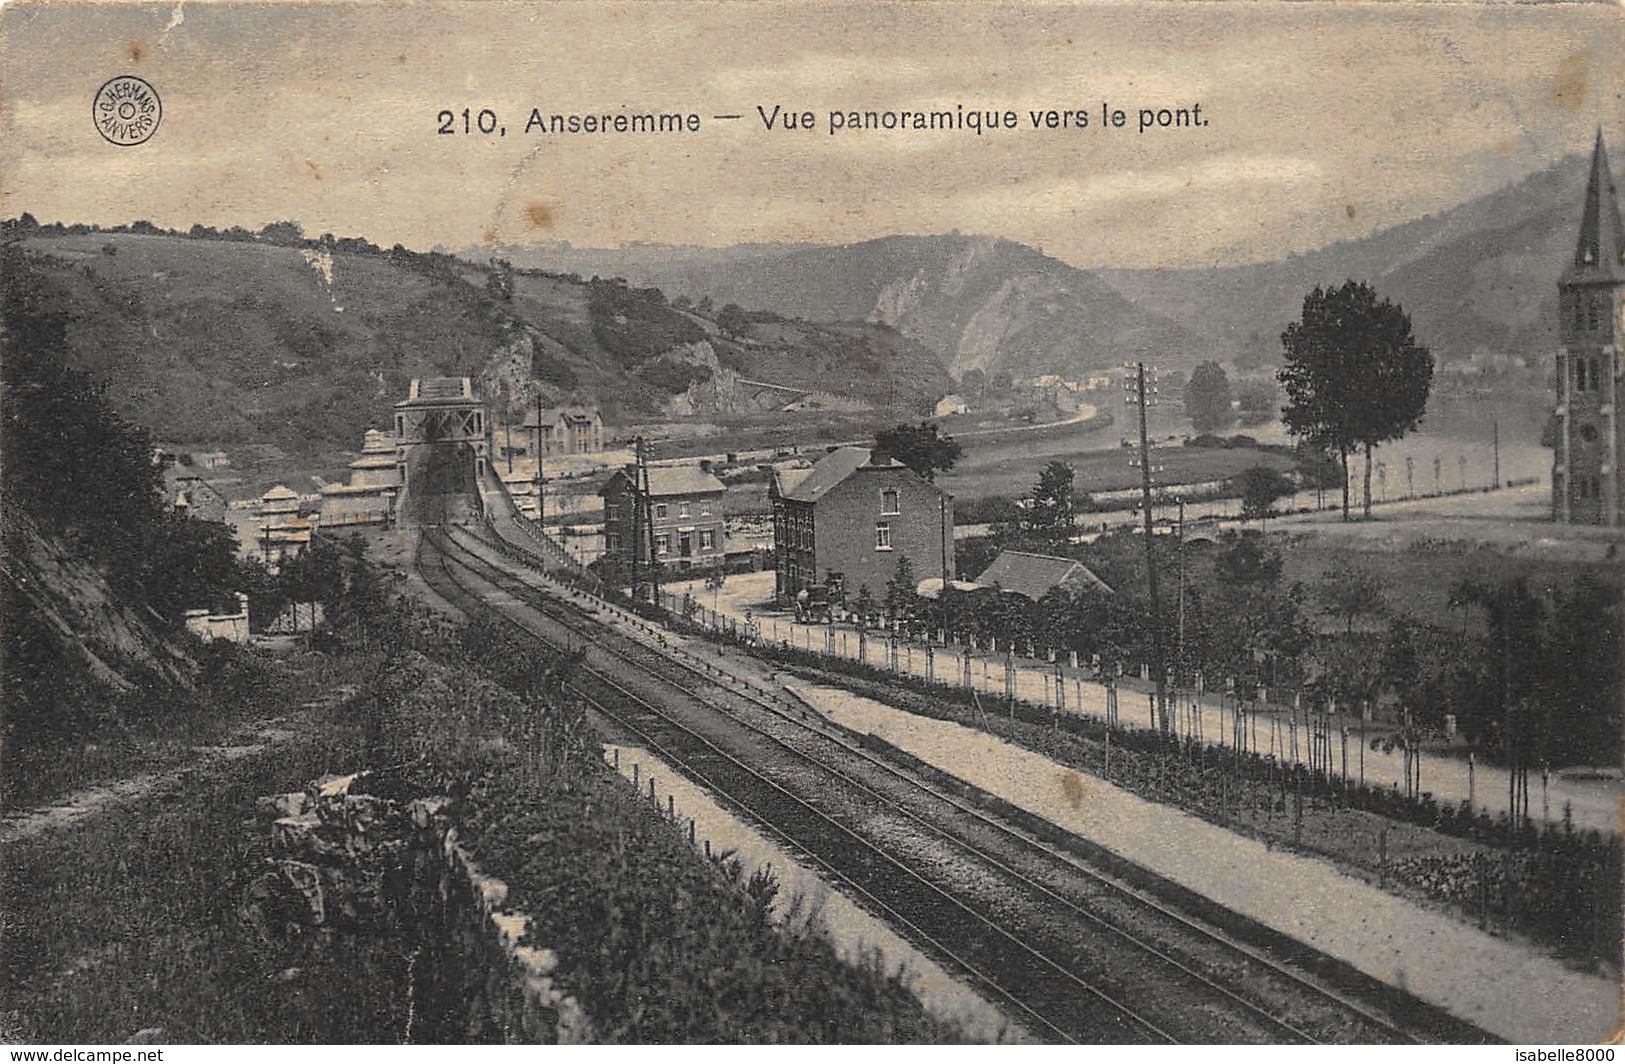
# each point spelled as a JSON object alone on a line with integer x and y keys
{"x": 851, "y": 519}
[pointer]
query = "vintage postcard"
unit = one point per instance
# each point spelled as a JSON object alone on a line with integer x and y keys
{"x": 811, "y": 522}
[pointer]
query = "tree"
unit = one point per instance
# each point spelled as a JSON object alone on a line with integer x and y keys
{"x": 1399, "y": 668}
{"x": 188, "y": 564}
{"x": 1245, "y": 558}
{"x": 1207, "y": 398}
{"x": 1259, "y": 486}
{"x": 901, "y": 594}
{"x": 71, "y": 462}
{"x": 922, "y": 448}
{"x": 1354, "y": 375}
{"x": 1255, "y": 399}
{"x": 289, "y": 233}
{"x": 1049, "y": 512}
{"x": 1349, "y": 592}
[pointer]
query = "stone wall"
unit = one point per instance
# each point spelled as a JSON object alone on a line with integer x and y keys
{"x": 233, "y": 626}
{"x": 344, "y": 862}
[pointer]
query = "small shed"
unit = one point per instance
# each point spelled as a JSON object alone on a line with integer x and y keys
{"x": 1036, "y": 575}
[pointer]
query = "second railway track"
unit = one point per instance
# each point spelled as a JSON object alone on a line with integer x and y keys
{"x": 1076, "y": 954}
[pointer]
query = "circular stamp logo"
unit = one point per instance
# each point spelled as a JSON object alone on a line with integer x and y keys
{"x": 127, "y": 111}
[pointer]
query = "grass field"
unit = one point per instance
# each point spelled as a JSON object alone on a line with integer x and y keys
{"x": 1101, "y": 471}
{"x": 127, "y": 922}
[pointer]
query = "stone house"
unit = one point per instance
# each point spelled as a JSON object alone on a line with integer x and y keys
{"x": 856, "y": 513}
{"x": 681, "y": 524}
{"x": 564, "y": 430}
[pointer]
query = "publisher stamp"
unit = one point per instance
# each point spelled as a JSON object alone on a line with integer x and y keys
{"x": 127, "y": 111}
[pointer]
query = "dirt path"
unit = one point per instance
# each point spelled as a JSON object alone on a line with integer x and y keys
{"x": 250, "y": 739}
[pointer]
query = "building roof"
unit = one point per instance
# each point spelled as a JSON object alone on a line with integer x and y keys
{"x": 553, "y": 415}
{"x": 810, "y": 485}
{"x": 376, "y": 442}
{"x": 358, "y": 489}
{"x": 439, "y": 391}
{"x": 1599, "y": 254}
{"x": 374, "y": 461}
{"x": 280, "y": 491}
{"x": 674, "y": 480}
{"x": 1035, "y": 575}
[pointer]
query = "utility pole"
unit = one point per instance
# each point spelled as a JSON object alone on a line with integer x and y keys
{"x": 541, "y": 479}
{"x": 1495, "y": 430}
{"x": 641, "y": 497}
{"x": 636, "y": 545}
{"x": 1138, "y": 396}
{"x": 942, "y": 508}
{"x": 1179, "y": 654}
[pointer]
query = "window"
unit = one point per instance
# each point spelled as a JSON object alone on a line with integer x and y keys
{"x": 682, "y": 508}
{"x": 708, "y": 539}
{"x": 882, "y": 535}
{"x": 888, "y": 501}
{"x": 612, "y": 512}
{"x": 663, "y": 543}
{"x": 1580, "y": 374}
{"x": 660, "y": 511}
{"x": 1594, "y": 312}
{"x": 1588, "y": 433}
{"x": 612, "y": 543}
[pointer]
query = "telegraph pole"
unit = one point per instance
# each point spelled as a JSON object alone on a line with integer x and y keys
{"x": 1495, "y": 430}
{"x": 541, "y": 480}
{"x": 637, "y": 517}
{"x": 646, "y": 515}
{"x": 942, "y": 505}
{"x": 1179, "y": 654}
{"x": 1158, "y": 665}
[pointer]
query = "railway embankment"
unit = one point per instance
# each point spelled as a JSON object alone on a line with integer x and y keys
{"x": 1473, "y": 975}
{"x": 634, "y": 934}
{"x": 1045, "y": 932}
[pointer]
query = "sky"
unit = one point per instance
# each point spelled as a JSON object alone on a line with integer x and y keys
{"x": 1324, "y": 122}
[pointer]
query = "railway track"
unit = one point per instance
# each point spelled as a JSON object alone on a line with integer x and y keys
{"x": 1077, "y": 954}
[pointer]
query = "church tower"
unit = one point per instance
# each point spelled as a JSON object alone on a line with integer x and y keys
{"x": 1587, "y": 486}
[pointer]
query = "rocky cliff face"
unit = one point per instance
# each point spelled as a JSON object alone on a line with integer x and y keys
{"x": 119, "y": 648}
{"x": 978, "y": 302}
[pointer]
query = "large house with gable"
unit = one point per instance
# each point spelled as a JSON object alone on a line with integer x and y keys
{"x": 856, "y": 513}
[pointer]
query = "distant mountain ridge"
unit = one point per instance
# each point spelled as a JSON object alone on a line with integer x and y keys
{"x": 1477, "y": 279}
{"x": 237, "y": 339}
{"x": 981, "y": 302}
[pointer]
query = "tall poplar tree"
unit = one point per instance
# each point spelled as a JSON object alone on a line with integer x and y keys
{"x": 1354, "y": 375}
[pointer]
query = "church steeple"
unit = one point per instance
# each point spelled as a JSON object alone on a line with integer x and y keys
{"x": 1600, "y": 253}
